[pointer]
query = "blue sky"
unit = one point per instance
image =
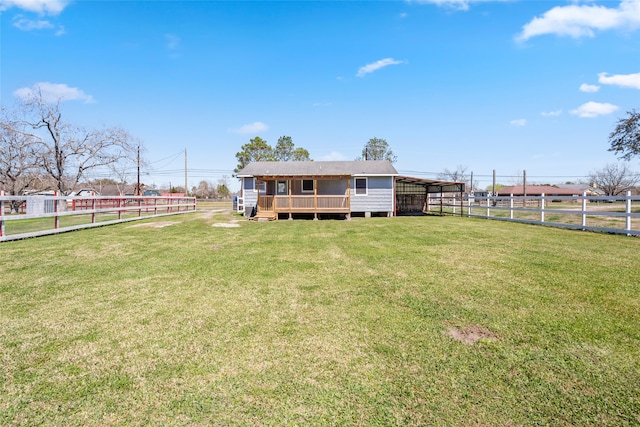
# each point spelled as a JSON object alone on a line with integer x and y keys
{"x": 504, "y": 85}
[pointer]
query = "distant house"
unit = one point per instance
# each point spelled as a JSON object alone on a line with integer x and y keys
{"x": 584, "y": 188}
{"x": 538, "y": 190}
{"x": 273, "y": 189}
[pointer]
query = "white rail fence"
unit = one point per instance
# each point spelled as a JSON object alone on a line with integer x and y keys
{"x": 610, "y": 214}
{"x": 31, "y": 216}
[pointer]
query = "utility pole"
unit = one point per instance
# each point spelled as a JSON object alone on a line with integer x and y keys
{"x": 524, "y": 188}
{"x": 186, "y": 189}
{"x": 494, "y": 183}
{"x": 138, "y": 186}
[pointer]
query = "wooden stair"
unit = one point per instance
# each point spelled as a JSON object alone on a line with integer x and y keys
{"x": 265, "y": 216}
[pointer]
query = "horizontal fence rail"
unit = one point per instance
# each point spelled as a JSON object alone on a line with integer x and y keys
{"x": 31, "y": 216}
{"x": 610, "y": 214}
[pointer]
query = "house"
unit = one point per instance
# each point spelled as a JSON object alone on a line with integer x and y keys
{"x": 275, "y": 189}
{"x": 343, "y": 187}
{"x": 587, "y": 189}
{"x": 538, "y": 190}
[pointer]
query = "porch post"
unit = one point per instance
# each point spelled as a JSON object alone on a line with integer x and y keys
{"x": 315, "y": 199}
{"x": 289, "y": 184}
{"x": 348, "y": 194}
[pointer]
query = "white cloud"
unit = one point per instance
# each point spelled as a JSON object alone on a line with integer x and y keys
{"x": 25, "y": 24}
{"x": 254, "y": 127}
{"x": 452, "y": 4}
{"x": 594, "y": 109}
{"x": 555, "y": 113}
{"x": 624, "y": 80}
{"x": 518, "y": 122}
{"x": 589, "y": 88}
{"x": 53, "y": 92}
{"x": 333, "y": 156}
{"x": 583, "y": 20}
{"x": 43, "y": 7}
{"x": 375, "y": 66}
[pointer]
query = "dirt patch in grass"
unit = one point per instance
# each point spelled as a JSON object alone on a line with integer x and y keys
{"x": 157, "y": 224}
{"x": 231, "y": 224}
{"x": 470, "y": 334}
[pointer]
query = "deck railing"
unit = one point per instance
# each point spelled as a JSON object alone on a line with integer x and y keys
{"x": 320, "y": 203}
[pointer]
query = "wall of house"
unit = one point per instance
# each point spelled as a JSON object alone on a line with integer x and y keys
{"x": 337, "y": 187}
{"x": 248, "y": 193}
{"x": 379, "y": 196}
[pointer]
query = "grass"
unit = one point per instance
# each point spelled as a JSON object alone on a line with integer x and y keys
{"x": 320, "y": 323}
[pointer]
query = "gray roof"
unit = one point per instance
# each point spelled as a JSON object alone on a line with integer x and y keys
{"x": 344, "y": 168}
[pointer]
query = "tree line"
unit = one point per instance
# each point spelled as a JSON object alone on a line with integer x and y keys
{"x": 40, "y": 149}
{"x": 258, "y": 150}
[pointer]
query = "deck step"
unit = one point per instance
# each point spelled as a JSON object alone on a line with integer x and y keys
{"x": 265, "y": 216}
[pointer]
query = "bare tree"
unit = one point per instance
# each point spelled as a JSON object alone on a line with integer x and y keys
{"x": 65, "y": 152}
{"x": 614, "y": 179}
{"x": 205, "y": 190}
{"x": 18, "y": 170}
{"x": 17, "y": 166}
{"x": 126, "y": 169}
{"x": 459, "y": 174}
{"x": 625, "y": 139}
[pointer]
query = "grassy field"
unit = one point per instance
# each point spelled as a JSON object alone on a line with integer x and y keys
{"x": 206, "y": 319}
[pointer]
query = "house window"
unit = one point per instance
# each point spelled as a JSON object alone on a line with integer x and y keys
{"x": 282, "y": 187}
{"x": 249, "y": 184}
{"x": 361, "y": 186}
{"x": 307, "y": 186}
{"x": 261, "y": 187}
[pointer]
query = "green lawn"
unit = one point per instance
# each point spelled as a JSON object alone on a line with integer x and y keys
{"x": 356, "y": 322}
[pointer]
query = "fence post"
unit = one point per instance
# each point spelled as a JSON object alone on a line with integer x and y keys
{"x": 542, "y": 207}
{"x": 584, "y": 210}
{"x": 56, "y": 218}
{"x": 488, "y": 208}
{"x": 628, "y": 211}
{"x": 93, "y": 209}
{"x": 469, "y": 208}
{"x": 1, "y": 213}
{"x": 510, "y": 206}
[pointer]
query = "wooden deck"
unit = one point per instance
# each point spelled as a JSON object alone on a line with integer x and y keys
{"x": 270, "y": 206}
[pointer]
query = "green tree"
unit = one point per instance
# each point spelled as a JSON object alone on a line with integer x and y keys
{"x": 258, "y": 150}
{"x": 285, "y": 151}
{"x": 625, "y": 139}
{"x": 377, "y": 149}
{"x": 223, "y": 191}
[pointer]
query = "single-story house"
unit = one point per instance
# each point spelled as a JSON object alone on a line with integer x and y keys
{"x": 584, "y": 188}
{"x": 274, "y": 189}
{"x": 538, "y": 190}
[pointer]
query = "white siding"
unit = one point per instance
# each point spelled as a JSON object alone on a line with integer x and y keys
{"x": 379, "y": 196}
{"x": 249, "y": 194}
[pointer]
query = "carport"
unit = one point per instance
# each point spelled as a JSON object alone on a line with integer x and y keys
{"x": 412, "y": 194}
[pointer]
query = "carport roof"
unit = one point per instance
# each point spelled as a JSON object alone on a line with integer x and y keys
{"x": 432, "y": 185}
